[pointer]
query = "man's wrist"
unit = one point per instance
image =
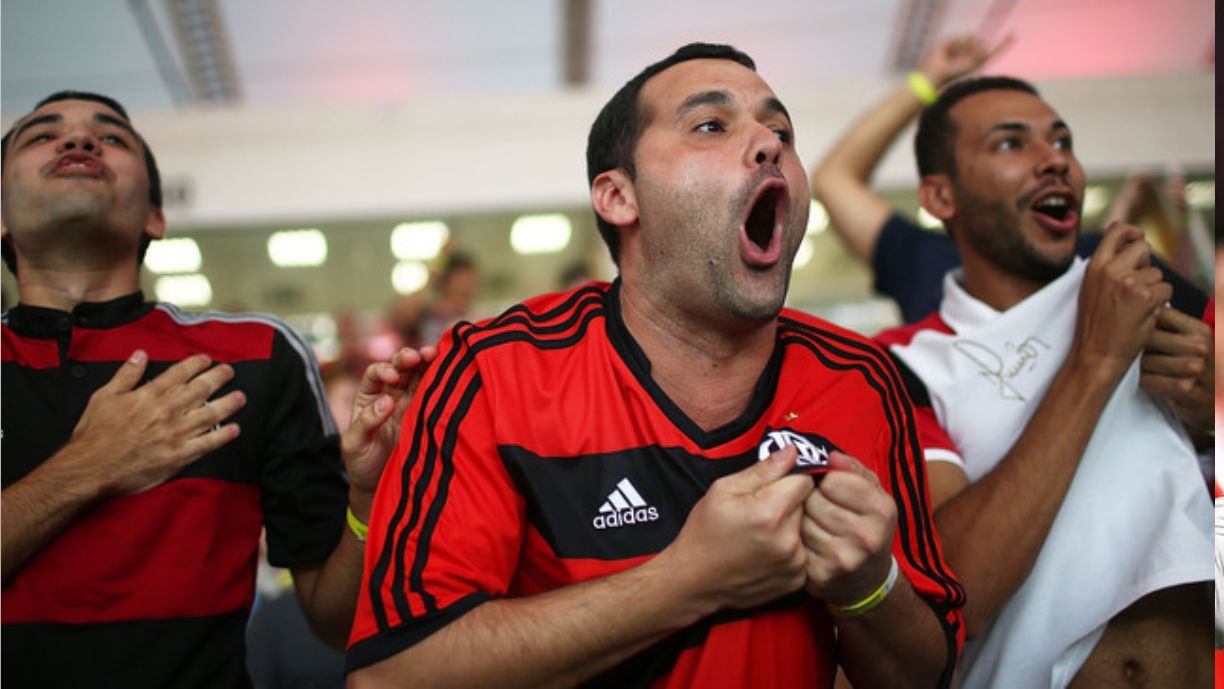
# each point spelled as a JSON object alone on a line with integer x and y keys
{"x": 923, "y": 87}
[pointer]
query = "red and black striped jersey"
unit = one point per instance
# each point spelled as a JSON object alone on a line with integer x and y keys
{"x": 154, "y": 589}
{"x": 538, "y": 452}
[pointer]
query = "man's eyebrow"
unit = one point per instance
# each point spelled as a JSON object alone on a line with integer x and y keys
{"x": 775, "y": 105}
{"x": 103, "y": 118}
{"x": 56, "y": 118}
{"x": 1058, "y": 125}
{"x": 697, "y": 100}
{"x": 49, "y": 118}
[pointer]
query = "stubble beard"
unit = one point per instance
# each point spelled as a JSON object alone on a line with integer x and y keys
{"x": 993, "y": 230}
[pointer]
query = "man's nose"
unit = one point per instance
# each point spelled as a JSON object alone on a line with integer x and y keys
{"x": 79, "y": 139}
{"x": 766, "y": 147}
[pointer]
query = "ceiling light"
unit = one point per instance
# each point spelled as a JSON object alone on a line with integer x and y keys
{"x": 818, "y": 218}
{"x": 804, "y": 255}
{"x": 927, "y": 220}
{"x": 184, "y": 290}
{"x": 409, "y": 276}
{"x": 1095, "y": 200}
{"x": 180, "y": 255}
{"x": 296, "y": 248}
{"x": 1201, "y": 194}
{"x": 540, "y": 234}
{"x": 419, "y": 241}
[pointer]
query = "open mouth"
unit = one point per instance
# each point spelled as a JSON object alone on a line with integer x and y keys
{"x": 1057, "y": 207}
{"x": 763, "y": 217}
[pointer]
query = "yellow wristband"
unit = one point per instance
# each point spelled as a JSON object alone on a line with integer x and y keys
{"x": 922, "y": 87}
{"x": 873, "y": 600}
{"x": 359, "y": 529}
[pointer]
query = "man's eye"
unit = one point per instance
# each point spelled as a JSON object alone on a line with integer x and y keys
{"x": 784, "y": 135}
{"x": 1011, "y": 143}
{"x": 37, "y": 138}
{"x": 113, "y": 139}
{"x": 710, "y": 127}
{"x": 1063, "y": 143}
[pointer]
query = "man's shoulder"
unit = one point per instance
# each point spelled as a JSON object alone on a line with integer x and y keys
{"x": 551, "y": 321}
{"x": 230, "y": 336}
{"x": 901, "y": 336}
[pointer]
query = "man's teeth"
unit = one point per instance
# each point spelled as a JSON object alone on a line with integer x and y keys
{"x": 1053, "y": 202}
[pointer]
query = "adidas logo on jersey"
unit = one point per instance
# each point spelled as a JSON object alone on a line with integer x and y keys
{"x": 624, "y": 507}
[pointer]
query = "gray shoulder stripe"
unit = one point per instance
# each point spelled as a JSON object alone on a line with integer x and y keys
{"x": 314, "y": 378}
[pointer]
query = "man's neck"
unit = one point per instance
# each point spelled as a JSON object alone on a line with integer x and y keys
{"x": 995, "y": 288}
{"x": 64, "y": 289}
{"x": 709, "y": 374}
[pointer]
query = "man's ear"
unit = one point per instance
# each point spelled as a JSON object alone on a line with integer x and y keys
{"x": 937, "y": 196}
{"x": 155, "y": 224}
{"x": 614, "y": 198}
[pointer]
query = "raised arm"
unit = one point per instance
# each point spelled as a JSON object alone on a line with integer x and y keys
{"x": 739, "y": 548}
{"x": 841, "y": 181}
{"x": 992, "y": 549}
{"x": 328, "y": 593}
{"x": 129, "y": 439}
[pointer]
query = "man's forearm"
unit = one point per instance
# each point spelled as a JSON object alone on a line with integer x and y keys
{"x": 328, "y": 593}
{"x": 992, "y": 531}
{"x": 842, "y": 179}
{"x": 900, "y": 643}
{"x": 555, "y": 639}
{"x": 37, "y": 508}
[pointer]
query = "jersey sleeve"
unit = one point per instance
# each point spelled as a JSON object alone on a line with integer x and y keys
{"x": 447, "y": 524}
{"x": 909, "y": 264}
{"x": 899, "y": 462}
{"x": 303, "y": 491}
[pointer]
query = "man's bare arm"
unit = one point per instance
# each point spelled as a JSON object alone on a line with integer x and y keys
{"x": 992, "y": 530}
{"x": 841, "y": 181}
{"x": 739, "y": 548}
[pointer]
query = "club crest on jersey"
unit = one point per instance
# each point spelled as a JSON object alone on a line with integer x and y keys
{"x": 813, "y": 450}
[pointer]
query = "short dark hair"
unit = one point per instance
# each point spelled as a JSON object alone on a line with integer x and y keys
{"x": 155, "y": 188}
{"x": 615, "y": 132}
{"x": 935, "y": 142}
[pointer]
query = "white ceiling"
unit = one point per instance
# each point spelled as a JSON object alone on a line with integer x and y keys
{"x": 372, "y": 51}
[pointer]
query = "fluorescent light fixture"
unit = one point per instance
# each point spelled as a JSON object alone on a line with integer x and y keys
{"x": 1095, "y": 200}
{"x": 180, "y": 255}
{"x": 297, "y": 248}
{"x": 804, "y": 255}
{"x": 927, "y": 220}
{"x": 184, "y": 290}
{"x": 1201, "y": 195}
{"x": 818, "y": 218}
{"x": 540, "y": 234}
{"x": 409, "y": 276}
{"x": 419, "y": 241}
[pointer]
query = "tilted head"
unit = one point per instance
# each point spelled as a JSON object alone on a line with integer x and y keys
{"x": 698, "y": 189}
{"x": 71, "y": 140}
{"x": 998, "y": 169}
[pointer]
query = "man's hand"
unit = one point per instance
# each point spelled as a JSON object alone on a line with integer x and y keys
{"x": 1178, "y": 366}
{"x": 848, "y": 527}
{"x": 378, "y": 408}
{"x": 956, "y": 57}
{"x": 740, "y": 543}
{"x": 138, "y": 437}
{"x": 1119, "y": 302}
